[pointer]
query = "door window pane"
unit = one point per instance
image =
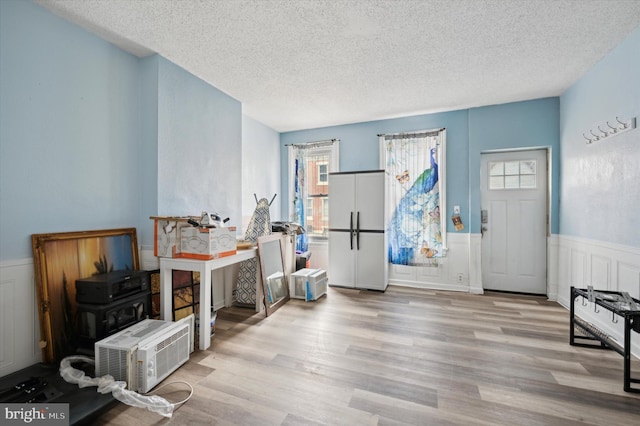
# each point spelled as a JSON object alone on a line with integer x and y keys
{"x": 496, "y": 182}
{"x": 512, "y": 182}
{"x": 511, "y": 168}
{"x": 496, "y": 169}
{"x": 528, "y": 167}
{"x": 528, "y": 181}
{"x": 512, "y": 174}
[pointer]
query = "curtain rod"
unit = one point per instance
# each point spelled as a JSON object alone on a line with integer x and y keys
{"x": 313, "y": 144}
{"x": 406, "y": 135}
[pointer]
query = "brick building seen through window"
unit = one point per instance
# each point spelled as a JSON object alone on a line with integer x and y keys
{"x": 317, "y": 197}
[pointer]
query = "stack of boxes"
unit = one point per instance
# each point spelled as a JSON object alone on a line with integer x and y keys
{"x": 308, "y": 284}
{"x": 176, "y": 237}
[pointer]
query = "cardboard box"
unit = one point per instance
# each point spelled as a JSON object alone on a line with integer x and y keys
{"x": 207, "y": 243}
{"x": 166, "y": 234}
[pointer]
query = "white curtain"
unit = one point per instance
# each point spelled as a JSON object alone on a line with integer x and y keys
{"x": 414, "y": 168}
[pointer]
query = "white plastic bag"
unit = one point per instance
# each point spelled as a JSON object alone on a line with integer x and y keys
{"x": 107, "y": 384}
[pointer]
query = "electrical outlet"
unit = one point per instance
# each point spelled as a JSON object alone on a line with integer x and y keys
{"x": 460, "y": 278}
{"x": 456, "y": 210}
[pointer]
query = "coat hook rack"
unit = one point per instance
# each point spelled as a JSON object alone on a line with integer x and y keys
{"x": 613, "y": 130}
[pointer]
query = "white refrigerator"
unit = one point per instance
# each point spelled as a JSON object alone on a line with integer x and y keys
{"x": 357, "y": 240}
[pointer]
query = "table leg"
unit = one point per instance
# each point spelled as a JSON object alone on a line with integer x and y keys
{"x": 166, "y": 293}
{"x": 229, "y": 281}
{"x": 205, "y": 307}
{"x": 627, "y": 354}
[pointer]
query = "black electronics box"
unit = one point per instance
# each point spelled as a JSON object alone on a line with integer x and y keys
{"x": 109, "y": 287}
{"x": 96, "y": 322}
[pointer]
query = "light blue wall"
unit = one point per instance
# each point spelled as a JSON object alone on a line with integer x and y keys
{"x": 359, "y": 150}
{"x": 92, "y": 137}
{"x": 469, "y": 132}
{"x": 600, "y": 182}
{"x": 69, "y": 129}
{"x": 260, "y": 168}
{"x": 148, "y": 148}
{"x": 528, "y": 124}
{"x": 199, "y": 146}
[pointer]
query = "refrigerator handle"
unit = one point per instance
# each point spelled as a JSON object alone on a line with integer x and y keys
{"x": 358, "y": 231}
{"x": 351, "y": 230}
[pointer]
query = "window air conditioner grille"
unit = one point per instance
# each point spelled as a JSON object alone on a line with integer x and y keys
{"x": 114, "y": 362}
{"x": 172, "y": 351}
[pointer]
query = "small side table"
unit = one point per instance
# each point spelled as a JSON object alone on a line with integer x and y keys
{"x": 630, "y": 315}
{"x": 204, "y": 267}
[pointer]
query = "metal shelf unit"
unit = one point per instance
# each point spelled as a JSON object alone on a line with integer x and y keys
{"x": 590, "y": 333}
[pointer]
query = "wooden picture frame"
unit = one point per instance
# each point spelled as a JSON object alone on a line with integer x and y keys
{"x": 59, "y": 260}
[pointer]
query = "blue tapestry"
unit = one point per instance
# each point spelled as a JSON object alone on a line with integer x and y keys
{"x": 302, "y": 243}
{"x": 414, "y": 231}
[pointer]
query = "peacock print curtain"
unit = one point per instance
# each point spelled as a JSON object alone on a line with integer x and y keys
{"x": 414, "y": 231}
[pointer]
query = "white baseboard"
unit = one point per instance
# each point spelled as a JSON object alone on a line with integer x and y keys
{"x": 452, "y": 272}
{"x": 430, "y": 285}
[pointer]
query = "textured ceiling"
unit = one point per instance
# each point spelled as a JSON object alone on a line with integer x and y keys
{"x": 298, "y": 64}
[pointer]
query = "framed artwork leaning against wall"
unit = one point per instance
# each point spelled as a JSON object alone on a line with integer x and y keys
{"x": 59, "y": 260}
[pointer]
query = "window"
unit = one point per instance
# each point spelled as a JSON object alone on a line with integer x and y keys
{"x": 323, "y": 173}
{"x": 309, "y": 214}
{"x": 317, "y": 186}
{"x": 512, "y": 174}
{"x": 312, "y": 162}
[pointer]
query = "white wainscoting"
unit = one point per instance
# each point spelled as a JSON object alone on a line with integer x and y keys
{"x": 582, "y": 262}
{"x": 553, "y": 243}
{"x": 148, "y": 261}
{"x": 451, "y": 272}
{"x": 475, "y": 264}
{"x": 19, "y": 324}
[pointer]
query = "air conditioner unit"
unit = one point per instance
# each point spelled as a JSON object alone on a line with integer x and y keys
{"x": 146, "y": 353}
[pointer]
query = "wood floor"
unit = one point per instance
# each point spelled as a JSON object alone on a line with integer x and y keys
{"x": 406, "y": 356}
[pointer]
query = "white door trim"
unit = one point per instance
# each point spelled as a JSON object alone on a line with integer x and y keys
{"x": 479, "y": 272}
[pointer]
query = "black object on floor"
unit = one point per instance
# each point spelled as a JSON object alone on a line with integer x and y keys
{"x": 41, "y": 383}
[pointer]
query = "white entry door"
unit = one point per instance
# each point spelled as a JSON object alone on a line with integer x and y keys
{"x": 514, "y": 221}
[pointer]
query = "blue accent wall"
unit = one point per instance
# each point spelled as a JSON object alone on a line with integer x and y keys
{"x": 148, "y": 148}
{"x": 359, "y": 150}
{"x": 469, "y": 132}
{"x": 69, "y": 129}
{"x": 260, "y": 168}
{"x": 199, "y": 146}
{"x": 600, "y": 182}
{"x": 92, "y": 137}
{"x": 528, "y": 124}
